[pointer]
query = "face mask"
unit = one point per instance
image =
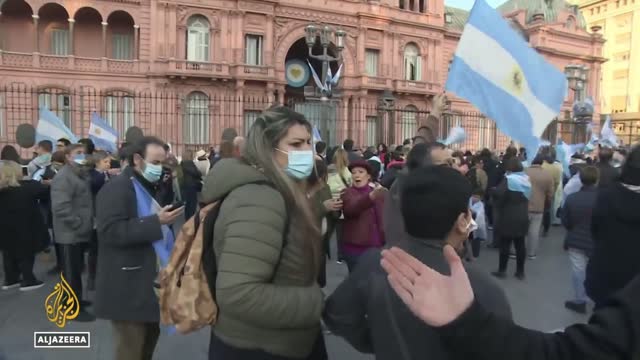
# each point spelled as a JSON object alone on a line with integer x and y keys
{"x": 80, "y": 159}
{"x": 300, "y": 163}
{"x": 152, "y": 172}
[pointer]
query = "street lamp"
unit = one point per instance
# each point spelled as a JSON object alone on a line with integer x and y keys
{"x": 582, "y": 107}
{"x": 326, "y": 35}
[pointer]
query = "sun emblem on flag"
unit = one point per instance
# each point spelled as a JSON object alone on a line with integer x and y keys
{"x": 516, "y": 81}
{"x": 98, "y": 131}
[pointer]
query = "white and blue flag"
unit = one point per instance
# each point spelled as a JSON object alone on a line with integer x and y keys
{"x": 51, "y": 128}
{"x": 495, "y": 69}
{"x": 102, "y": 134}
{"x": 608, "y": 137}
{"x": 316, "y": 135}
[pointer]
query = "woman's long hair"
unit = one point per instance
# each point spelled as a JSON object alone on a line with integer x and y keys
{"x": 265, "y": 134}
{"x": 10, "y": 174}
{"x": 341, "y": 160}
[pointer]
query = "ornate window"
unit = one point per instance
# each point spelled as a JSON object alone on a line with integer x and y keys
{"x": 371, "y": 62}
{"x": 198, "y": 37}
{"x": 409, "y": 122}
{"x": 253, "y": 49}
{"x": 195, "y": 128}
{"x": 122, "y": 46}
{"x": 60, "y": 42}
{"x": 412, "y": 63}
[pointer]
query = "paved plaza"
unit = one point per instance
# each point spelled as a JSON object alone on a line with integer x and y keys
{"x": 536, "y": 302}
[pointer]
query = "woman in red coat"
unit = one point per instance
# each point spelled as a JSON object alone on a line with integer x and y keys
{"x": 362, "y": 209}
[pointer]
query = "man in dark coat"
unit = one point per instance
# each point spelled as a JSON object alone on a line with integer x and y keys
{"x": 576, "y": 218}
{"x": 127, "y": 262}
{"x": 615, "y": 226}
{"x": 364, "y": 309}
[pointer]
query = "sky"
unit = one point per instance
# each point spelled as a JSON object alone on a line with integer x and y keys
{"x": 467, "y": 4}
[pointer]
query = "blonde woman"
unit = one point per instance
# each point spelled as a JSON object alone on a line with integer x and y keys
{"x": 24, "y": 232}
{"x": 340, "y": 180}
{"x": 339, "y": 174}
{"x": 267, "y": 247}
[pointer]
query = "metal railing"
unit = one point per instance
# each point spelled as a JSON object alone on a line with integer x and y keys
{"x": 194, "y": 120}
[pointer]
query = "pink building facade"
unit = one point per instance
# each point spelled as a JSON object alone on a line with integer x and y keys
{"x": 186, "y": 70}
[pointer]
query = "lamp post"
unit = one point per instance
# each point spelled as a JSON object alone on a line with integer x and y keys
{"x": 577, "y": 76}
{"x": 326, "y": 34}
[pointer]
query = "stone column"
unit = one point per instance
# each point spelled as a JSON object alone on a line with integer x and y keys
{"x": 268, "y": 49}
{"x": 37, "y": 32}
{"x": 136, "y": 44}
{"x": 1, "y": 37}
{"x": 104, "y": 39}
{"x": 71, "y": 26}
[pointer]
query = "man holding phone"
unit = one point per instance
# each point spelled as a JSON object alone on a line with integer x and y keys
{"x": 133, "y": 239}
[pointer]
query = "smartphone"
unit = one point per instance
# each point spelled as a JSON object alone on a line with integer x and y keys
{"x": 25, "y": 171}
{"x": 176, "y": 205}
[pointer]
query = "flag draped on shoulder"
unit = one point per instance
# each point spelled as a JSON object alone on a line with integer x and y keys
{"x": 51, "y": 128}
{"x": 102, "y": 134}
{"x": 495, "y": 69}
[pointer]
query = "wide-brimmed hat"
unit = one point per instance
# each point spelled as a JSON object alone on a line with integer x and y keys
{"x": 201, "y": 153}
{"x": 361, "y": 164}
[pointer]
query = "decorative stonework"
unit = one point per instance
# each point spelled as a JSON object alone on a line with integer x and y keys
{"x": 310, "y": 15}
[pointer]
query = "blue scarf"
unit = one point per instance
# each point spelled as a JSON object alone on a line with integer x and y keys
{"x": 519, "y": 181}
{"x": 148, "y": 206}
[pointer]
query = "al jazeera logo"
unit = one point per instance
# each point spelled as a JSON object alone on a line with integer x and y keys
{"x": 61, "y": 306}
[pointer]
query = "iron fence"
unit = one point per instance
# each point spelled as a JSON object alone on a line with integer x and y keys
{"x": 194, "y": 120}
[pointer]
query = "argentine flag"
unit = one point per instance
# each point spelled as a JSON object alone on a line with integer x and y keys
{"x": 495, "y": 69}
{"x": 51, "y": 128}
{"x": 103, "y": 136}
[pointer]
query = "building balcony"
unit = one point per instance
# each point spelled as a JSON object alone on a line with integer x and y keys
{"x": 417, "y": 87}
{"x": 254, "y": 72}
{"x": 185, "y": 68}
{"x": 68, "y": 63}
{"x": 372, "y": 82}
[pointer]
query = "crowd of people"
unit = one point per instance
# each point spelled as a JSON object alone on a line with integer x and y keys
{"x": 283, "y": 197}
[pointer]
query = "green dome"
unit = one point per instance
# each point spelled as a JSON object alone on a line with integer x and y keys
{"x": 550, "y": 8}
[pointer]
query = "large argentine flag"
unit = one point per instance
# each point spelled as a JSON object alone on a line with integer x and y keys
{"x": 103, "y": 136}
{"x": 51, "y": 128}
{"x": 497, "y": 71}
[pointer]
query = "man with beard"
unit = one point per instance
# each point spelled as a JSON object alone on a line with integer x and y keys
{"x": 133, "y": 239}
{"x": 72, "y": 209}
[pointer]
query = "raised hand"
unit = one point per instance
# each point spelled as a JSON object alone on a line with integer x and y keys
{"x": 435, "y": 298}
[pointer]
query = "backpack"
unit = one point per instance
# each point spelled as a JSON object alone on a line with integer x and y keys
{"x": 186, "y": 286}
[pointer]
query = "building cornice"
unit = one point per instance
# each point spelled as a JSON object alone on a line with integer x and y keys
{"x": 590, "y": 58}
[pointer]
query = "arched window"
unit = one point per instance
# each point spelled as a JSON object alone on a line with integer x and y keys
{"x": 412, "y": 63}
{"x": 195, "y": 128}
{"x": 571, "y": 23}
{"x": 409, "y": 123}
{"x": 198, "y": 38}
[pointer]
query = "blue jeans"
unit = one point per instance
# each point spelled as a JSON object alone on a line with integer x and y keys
{"x": 578, "y": 260}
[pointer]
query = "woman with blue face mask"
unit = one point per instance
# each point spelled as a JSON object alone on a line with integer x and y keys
{"x": 267, "y": 245}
